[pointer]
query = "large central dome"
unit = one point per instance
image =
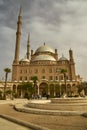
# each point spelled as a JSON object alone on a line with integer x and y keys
{"x": 45, "y": 48}
{"x": 44, "y": 57}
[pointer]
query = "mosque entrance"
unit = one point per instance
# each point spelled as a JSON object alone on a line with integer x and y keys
{"x": 43, "y": 89}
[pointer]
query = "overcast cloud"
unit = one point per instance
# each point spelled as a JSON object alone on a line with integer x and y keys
{"x": 61, "y": 24}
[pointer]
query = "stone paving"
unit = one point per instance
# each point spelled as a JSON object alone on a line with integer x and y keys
{"x": 49, "y": 121}
{"x": 15, "y": 101}
{"x": 5, "y": 118}
{"x": 7, "y": 125}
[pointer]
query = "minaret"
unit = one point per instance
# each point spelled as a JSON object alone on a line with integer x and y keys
{"x": 72, "y": 66}
{"x": 18, "y": 36}
{"x": 56, "y": 54}
{"x": 71, "y": 56}
{"x": 28, "y": 47}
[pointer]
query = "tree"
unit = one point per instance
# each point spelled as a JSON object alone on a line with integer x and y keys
{"x": 7, "y": 70}
{"x": 63, "y": 71}
{"x": 8, "y": 93}
{"x": 34, "y": 79}
{"x": 0, "y": 94}
{"x": 82, "y": 87}
{"x": 27, "y": 88}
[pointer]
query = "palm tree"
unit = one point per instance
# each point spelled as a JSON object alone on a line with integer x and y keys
{"x": 63, "y": 71}
{"x": 7, "y": 70}
{"x": 34, "y": 79}
{"x": 26, "y": 88}
{"x": 82, "y": 87}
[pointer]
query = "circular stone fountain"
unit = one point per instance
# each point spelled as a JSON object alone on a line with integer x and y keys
{"x": 57, "y": 106}
{"x": 63, "y": 104}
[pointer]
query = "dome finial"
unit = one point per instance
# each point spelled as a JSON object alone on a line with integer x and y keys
{"x": 63, "y": 58}
{"x": 62, "y": 55}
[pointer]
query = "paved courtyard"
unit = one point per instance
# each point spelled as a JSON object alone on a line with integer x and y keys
{"x": 51, "y": 122}
{"x": 7, "y": 125}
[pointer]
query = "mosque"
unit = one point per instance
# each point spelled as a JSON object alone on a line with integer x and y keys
{"x": 44, "y": 63}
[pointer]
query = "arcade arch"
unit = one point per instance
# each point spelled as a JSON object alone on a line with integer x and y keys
{"x": 43, "y": 89}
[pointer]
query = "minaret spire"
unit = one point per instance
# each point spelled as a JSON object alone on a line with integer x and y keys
{"x": 28, "y": 47}
{"x": 18, "y": 36}
{"x": 71, "y": 56}
{"x": 20, "y": 11}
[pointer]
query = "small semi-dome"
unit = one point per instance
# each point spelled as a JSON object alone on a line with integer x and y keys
{"x": 63, "y": 58}
{"x": 45, "y": 48}
{"x": 44, "y": 57}
{"x": 24, "y": 60}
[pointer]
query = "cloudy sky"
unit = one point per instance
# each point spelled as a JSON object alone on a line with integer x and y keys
{"x": 61, "y": 24}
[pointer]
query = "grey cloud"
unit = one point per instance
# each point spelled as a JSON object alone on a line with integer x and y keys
{"x": 60, "y": 23}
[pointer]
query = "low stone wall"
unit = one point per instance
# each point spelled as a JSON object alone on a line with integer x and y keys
{"x": 62, "y": 107}
{"x": 22, "y": 108}
{"x": 40, "y": 101}
{"x": 69, "y": 100}
{"x": 63, "y": 104}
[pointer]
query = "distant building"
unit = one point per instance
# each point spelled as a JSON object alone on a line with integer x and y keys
{"x": 46, "y": 65}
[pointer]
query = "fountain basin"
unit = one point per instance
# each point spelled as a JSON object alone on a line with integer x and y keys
{"x": 61, "y": 104}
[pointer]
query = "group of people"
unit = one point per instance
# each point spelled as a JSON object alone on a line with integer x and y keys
{"x": 39, "y": 96}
